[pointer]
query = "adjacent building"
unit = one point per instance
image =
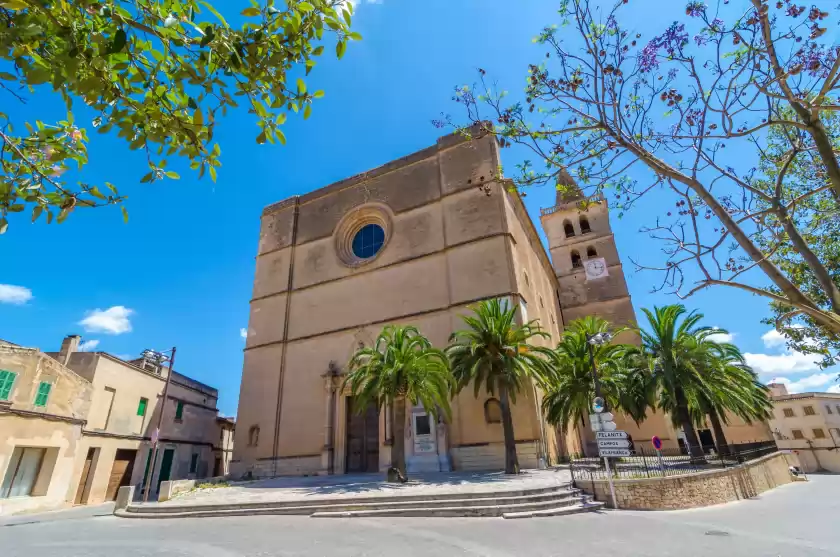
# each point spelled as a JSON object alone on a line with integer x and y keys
{"x": 809, "y": 425}
{"x": 94, "y": 415}
{"x": 417, "y": 241}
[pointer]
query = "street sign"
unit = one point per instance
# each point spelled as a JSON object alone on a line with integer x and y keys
{"x": 611, "y": 435}
{"x": 604, "y": 426}
{"x": 614, "y": 452}
{"x": 613, "y": 444}
{"x": 657, "y": 442}
{"x": 598, "y": 405}
{"x": 603, "y": 417}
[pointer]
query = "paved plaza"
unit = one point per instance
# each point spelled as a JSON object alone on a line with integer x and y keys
{"x": 795, "y": 520}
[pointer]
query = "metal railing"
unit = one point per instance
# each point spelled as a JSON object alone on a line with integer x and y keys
{"x": 647, "y": 463}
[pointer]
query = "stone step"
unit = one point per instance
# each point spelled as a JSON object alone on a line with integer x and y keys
{"x": 297, "y": 505}
{"x": 454, "y": 510}
{"x": 559, "y": 511}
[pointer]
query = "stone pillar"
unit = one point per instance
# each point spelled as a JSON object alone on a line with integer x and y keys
{"x": 125, "y": 496}
{"x": 328, "y": 452}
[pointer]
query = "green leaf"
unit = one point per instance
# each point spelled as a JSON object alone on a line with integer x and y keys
{"x": 318, "y": 94}
{"x": 212, "y": 173}
{"x": 198, "y": 118}
{"x": 305, "y": 7}
{"x": 4, "y": 225}
{"x": 339, "y": 49}
{"x": 261, "y": 138}
{"x": 346, "y": 15}
{"x": 214, "y": 12}
{"x": 354, "y": 36}
{"x": 7, "y": 76}
{"x": 14, "y": 4}
{"x": 94, "y": 191}
{"x": 172, "y": 174}
{"x": 119, "y": 41}
{"x": 318, "y": 51}
{"x": 307, "y": 111}
{"x": 36, "y": 212}
{"x": 250, "y": 12}
{"x": 124, "y": 214}
{"x": 301, "y": 86}
{"x": 281, "y": 137}
{"x": 192, "y": 104}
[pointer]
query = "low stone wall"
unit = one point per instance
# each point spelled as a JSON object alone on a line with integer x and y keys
{"x": 170, "y": 489}
{"x": 491, "y": 456}
{"x": 285, "y": 466}
{"x": 700, "y": 489}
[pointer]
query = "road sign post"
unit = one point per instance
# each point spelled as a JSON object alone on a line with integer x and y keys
{"x": 657, "y": 444}
{"x": 611, "y": 443}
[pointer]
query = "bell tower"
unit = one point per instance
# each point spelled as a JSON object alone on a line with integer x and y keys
{"x": 585, "y": 259}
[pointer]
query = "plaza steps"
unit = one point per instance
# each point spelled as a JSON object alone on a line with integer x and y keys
{"x": 544, "y": 501}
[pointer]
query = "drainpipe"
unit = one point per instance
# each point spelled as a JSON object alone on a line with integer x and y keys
{"x": 275, "y": 448}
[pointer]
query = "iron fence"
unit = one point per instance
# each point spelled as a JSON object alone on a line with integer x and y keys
{"x": 648, "y": 463}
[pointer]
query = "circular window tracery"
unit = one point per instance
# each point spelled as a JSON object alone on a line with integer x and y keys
{"x": 362, "y": 234}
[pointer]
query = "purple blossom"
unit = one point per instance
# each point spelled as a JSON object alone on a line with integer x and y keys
{"x": 816, "y": 60}
{"x": 672, "y": 40}
{"x": 612, "y": 23}
{"x": 701, "y": 40}
{"x": 672, "y": 73}
{"x": 717, "y": 24}
{"x": 695, "y": 9}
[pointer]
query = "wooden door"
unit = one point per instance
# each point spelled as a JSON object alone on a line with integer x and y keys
{"x": 84, "y": 480}
{"x": 165, "y": 467}
{"x": 120, "y": 472}
{"x": 362, "y": 439}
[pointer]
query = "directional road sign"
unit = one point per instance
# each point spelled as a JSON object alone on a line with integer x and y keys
{"x": 611, "y": 435}
{"x": 604, "y": 426}
{"x": 614, "y": 452}
{"x": 613, "y": 444}
{"x": 602, "y": 417}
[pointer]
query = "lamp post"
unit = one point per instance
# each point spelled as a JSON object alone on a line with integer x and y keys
{"x": 598, "y": 339}
{"x": 160, "y": 358}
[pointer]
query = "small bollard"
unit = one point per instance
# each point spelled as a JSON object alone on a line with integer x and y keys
{"x": 124, "y": 497}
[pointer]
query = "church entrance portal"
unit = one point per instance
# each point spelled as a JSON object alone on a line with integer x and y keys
{"x": 362, "y": 439}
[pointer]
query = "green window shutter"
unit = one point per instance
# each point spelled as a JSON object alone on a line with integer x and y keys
{"x": 193, "y": 464}
{"x": 7, "y": 379}
{"x": 141, "y": 408}
{"x": 43, "y": 393}
{"x": 179, "y": 410}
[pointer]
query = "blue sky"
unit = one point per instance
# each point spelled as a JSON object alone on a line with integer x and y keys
{"x": 181, "y": 271}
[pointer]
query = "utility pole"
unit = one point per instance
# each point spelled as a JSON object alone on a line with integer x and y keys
{"x": 150, "y": 473}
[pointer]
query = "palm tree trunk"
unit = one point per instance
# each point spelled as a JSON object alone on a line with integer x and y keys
{"x": 720, "y": 437}
{"x": 398, "y": 448}
{"x": 511, "y": 462}
{"x": 693, "y": 442}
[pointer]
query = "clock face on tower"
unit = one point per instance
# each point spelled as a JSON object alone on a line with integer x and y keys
{"x": 596, "y": 268}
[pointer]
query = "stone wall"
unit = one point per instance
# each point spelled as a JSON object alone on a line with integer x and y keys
{"x": 697, "y": 490}
{"x": 491, "y": 456}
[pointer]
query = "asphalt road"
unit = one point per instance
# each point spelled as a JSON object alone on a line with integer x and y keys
{"x": 795, "y": 520}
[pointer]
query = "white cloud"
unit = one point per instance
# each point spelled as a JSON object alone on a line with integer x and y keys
{"x": 786, "y": 361}
{"x": 243, "y": 332}
{"x": 88, "y": 345}
{"x": 112, "y": 321}
{"x": 810, "y": 383}
{"x": 722, "y": 337}
{"x": 17, "y": 295}
{"x": 833, "y": 389}
{"x": 774, "y": 339}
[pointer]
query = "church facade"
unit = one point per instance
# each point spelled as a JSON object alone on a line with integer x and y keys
{"x": 414, "y": 242}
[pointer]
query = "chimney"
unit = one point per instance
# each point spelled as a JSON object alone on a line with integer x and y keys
{"x": 777, "y": 389}
{"x": 69, "y": 345}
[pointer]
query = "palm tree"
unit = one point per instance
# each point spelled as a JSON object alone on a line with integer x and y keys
{"x": 731, "y": 386}
{"x": 401, "y": 367}
{"x": 676, "y": 366}
{"x": 494, "y": 353}
{"x": 569, "y": 388}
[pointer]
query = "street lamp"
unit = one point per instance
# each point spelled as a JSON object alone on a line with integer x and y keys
{"x": 598, "y": 339}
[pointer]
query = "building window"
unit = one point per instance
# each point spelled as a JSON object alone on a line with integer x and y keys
{"x": 193, "y": 463}
{"x": 568, "y": 229}
{"x": 7, "y": 379}
{"x": 368, "y": 241}
{"x": 179, "y": 411}
{"x": 797, "y": 434}
{"x": 788, "y": 412}
{"x": 809, "y": 411}
{"x": 254, "y": 436}
{"x": 590, "y": 252}
{"x": 819, "y": 433}
{"x": 584, "y": 225}
{"x": 43, "y": 393}
{"x": 492, "y": 411}
{"x": 141, "y": 407}
{"x": 576, "y": 262}
{"x": 422, "y": 425}
{"x": 828, "y": 409}
{"x": 22, "y": 472}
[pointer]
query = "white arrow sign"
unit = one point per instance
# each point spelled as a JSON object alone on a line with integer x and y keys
{"x": 614, "y": 452}
{"x": 613, "y": 444}
{"x": 604, "y": 426}
{"x": 611, "y": 435}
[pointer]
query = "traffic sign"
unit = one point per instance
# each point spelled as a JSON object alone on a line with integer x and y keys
{"x": 614, "y": 452}
{"x": 611, "y": 435}
{"x": 603, "y": 426}
{"x": 657, "y": 442}
{"x": 613, "y": 444}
